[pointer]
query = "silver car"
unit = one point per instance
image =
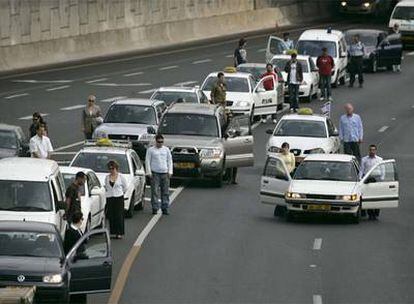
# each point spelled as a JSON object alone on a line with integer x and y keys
{"x": 180, "y": 94}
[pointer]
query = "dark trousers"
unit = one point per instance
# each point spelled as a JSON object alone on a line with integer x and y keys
{"x": 352, "y": 148}
{"x": 88, "y": 135}
{"x": 115, "y": 214}
{"x": 294, "y": 96}
{"x": 355, "y": 68}
{"x": 325, "y": 85}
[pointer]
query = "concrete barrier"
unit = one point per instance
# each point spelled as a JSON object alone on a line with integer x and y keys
{"x": 42, "y": 32}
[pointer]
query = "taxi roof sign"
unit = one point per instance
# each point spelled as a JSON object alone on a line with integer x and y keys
{"x": 230, "y": 69}
{"x": 305, "y": 111}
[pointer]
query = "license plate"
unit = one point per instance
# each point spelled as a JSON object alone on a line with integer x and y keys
{"x": 319, "y": 207}
{"x": 184, "y": 165}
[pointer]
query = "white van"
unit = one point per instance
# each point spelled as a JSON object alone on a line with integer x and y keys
{"x": 311, "y": 43}
{"x": 32, "y": 190}
{"x": 403, "y": 15}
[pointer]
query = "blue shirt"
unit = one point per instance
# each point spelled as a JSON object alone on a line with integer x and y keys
{"x": 357, "y": 49}
{"x": 159, "y": 160}
{"x": 350, "y": 128}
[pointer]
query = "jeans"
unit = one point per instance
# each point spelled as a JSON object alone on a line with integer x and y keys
{"x": 325, "y": 82}
{"x": 294, "y": 96}
{"x": 355, "y": 68}
{"x": 352, "y": 148}
{"x": 160, "y": 184}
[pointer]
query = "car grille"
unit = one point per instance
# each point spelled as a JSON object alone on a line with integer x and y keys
{"x": 123, "y": 137}
{"x": 13, "y": 278}
{"x": 296, "y": 152}
{"x": 184, "y": 150}
{"x": 321, "y": 196}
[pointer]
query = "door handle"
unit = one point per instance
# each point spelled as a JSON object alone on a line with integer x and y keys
{"x": 392, "y": 186}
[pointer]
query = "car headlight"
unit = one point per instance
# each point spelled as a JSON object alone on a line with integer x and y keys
{"x": 367, "y": 4}
{"x": 343, "y": 3}
{"x": 317, "y": 151}
{"x": 274, "y": 149}
{"x": 242, "y": 104}
{"x": 211, "y": 153}
{"x": 294, "y": 195}
{"x": 53, "y": 278}
{"x": 351, "y": 198}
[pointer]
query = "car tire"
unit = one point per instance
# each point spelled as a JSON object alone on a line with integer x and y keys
{"x": 356, "y": 216}
{"x": 140, "y": 205}
{"x": 279, "y": 211}
{"x": 290, "y": 216}
{"x": 374, "y": 65}
{"x": 130, "y": 212}
{"x": 218, "y": 180}
{"x": 389, "y": 67}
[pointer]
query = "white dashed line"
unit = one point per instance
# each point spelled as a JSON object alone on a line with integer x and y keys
{"x": 185, "y": 83}
{"x": 147, "y": 91}
{"x": 79, "y": 106}
{"x": 16, "y": 95}
{"x": 230, "y": 56}
{"x": 312, "y": 266}
{"x": 317, "y": 244}
{"x": 383, "y": 129}
{"x": 168, "y": 67}
{"x": 112, "y": 99}
{"x": 42, "y": 81}
{"x": 140, "y": 84}
{"x": 261, "y": 50}
{"x": 58, "y": 88}
{"x": 202, "y": 61}
{"x": 133, "y": 74}
{"x": 96, "y": 80}
{"x": 393, "y": 118}
{"x": 29, "y": 117}
{"x": 317, "y": 299}
{"x": 410, "y": 54}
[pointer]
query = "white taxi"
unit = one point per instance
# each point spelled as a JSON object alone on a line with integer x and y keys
{"x": 96, "y": 155}
{"x": 306, "y": 133}
{"x": 245, "y": 96}
{"x": 329, "y": 183}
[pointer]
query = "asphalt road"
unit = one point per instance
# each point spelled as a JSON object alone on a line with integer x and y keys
{"x": 222, "y": 245}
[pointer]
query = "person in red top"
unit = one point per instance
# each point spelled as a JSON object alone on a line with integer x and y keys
{"x": 268, "y": 85}
{"x": 325, "y": 64}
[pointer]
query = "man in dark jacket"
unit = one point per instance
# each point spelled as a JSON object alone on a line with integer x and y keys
{"x": 294, "y": 72}
{"x": 73, "y": 233}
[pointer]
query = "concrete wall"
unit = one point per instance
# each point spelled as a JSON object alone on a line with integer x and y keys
{"x": 41, "y": 32}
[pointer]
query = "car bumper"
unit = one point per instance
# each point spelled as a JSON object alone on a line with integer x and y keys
{"x": 45, "y": 293}
{"x": 197, "y": 170}
{"x": 316, "y": 206}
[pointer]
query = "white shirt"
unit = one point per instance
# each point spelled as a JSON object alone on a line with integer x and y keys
{"x": 293, "y": 73}
{"x": 159, "y": 160}
{"x": 367, "y": 163}
{"x": 41, "y": 145}
{"x": 119, "y": 188}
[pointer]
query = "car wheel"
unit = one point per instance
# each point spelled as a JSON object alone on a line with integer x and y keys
{"x": 356, "y": 216}
{"x": 290, "y": 216}
{"x": 342, "y": 80}
{"x": 389, "y": 67}
{"x": 130, "y": 211}
{"x": 279, "y": 211}
{"x": 218, "y": 180}
{"x": 140, "y": 205}
{"x": 374, "y": 65}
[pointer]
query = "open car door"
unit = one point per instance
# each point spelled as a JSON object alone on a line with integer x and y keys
{"x": 380, "y": 187}
{"x": 275, "y": 182}
{"x": 275, "y": 46}
{"x": 265, "y": 101}
{"x": 90, "y": 263}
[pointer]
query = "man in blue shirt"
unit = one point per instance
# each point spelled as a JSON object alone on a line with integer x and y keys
{"x": 351, "y": 131}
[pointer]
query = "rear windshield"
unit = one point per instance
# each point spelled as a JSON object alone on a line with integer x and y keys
{"x": 313, "y": 48}
{"x": 257, "y": 72}
{"x": 189, "y": 124}
{"x": 403, "y": 13}
{"x": 131, "y": 114}
{"x": 234, "y": 84}
{"x": 98, "y": 162}
{"x": 170, "y": 97}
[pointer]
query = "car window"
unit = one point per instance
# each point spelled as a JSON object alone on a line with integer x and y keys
{"x": 274, "y": 168}
{"x": 331, "y": 128}
{"x": 95, "y": 247}
{"x": 384, "y": 173}
{"x": 252, "y": 83}
{"x": 69, "y": 178}
{"x": 301, "y": 128}
{"x": 312, "y": 65}
{"x": 256, "y": 71}
{"x": 133, "y": 114}
{"x": 313, "y": 47}
{"x": 394, "y": 39}
{"x": 95, "y": 179}
{"x": 8, "y": 140}
{"x": 234, "y": 84}
{"x": 403, "y": 13}
{"x": 326, "y": 170}
{"x": 136, "y": 161}
{"x": 189, "y": 124}
{"x": 170, "y": 97}
{"x": 98, "y": 162}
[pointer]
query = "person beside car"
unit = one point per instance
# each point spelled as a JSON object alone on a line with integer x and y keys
{"x": 356, "y": 53}
{"x": 40, "y": 145}
{"x": 269, "y": 85}
{"x": 73, "y": 196}
{"x": 218, "y": 93}
{"x": 91, "y": 117}
{"x": 396, "y": 67}
{"x": 294, "y": 71}
{"x": 287, "y": 157}
{"x": 326, "y": 65}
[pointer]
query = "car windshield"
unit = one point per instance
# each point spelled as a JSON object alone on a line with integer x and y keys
{"x": 403, "y": 13}
{"x": 281, "y": 63}
{"x": 234, "y": 84}
{"x": 257, "y": 72}
{"x": 170, "y": 97}
{"x": 314, "y": 48}
{"x": 189, "y": 124}
{"x": 8, "y": 140}
{"x": 301, "y": 128}
{"x": 131, "y": 114}
{"x": 29, "y": 244}
{"x": 98, "y": 162}
{"x": 326, "y": 170}
{"x": 368, "y": 39}
{"x": 25, "y": 196}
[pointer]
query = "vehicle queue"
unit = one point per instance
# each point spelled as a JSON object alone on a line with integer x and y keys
{"x": 208, "y": 139}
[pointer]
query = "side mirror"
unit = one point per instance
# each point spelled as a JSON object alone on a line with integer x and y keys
{"x": 370, "y": 180}
{"x": 335, "y": 133}
{"x": 260, "y": 90}
{"x": 151, "y": 130}
{"x": 269, "y": 131}
{"x": 344, "y": 54}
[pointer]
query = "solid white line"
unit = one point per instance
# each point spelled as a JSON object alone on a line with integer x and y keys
{"x": 202, "y": 61}
{"x": 312, "y": 266}
{"x": 317, "y": 299}
{"x": 133, "y": 74}
{"x": 42, "y": 81}
{"x": 154, "y": 220}
{"x": 168, "y": 67}
{"x": 410, "y": 54}
{"x": 69, "y": 146}
{"x": 229, "y": 56}
{"x": 261, "y": 50}
{"x": 393, "y": 118}
{"x": 140, "y": 84}
{"x": 184, "y": 83}
{"x": 79, "y": 106}
{"x": 147, "y": 91}
{"x": 254, "y": 126}
{"x": 112, "y": 99}
{"x": 96, "y": 80}
{"x": 317, "y": 244}
{"x": 16, "y": 95}
{"x": 58, "y": 88}
{"x": 28, "y": 117}
{"x": 383, "y": 129}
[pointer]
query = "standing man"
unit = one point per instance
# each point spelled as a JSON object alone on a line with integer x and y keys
{"x": 294, "y": 71}
{"x": 367, "y": 163}
{"x": 325, "y": 64}
{"x": 73, "y": 196}
{"x": 218, "y": 93}
{"x": 289, "y": 43}
{"x": 40, "y": 145}
{"x": 356, "y": 52}
{"x": 269, "y": 85}
{"x": 240, "y": 53}
{"x": 351, "y": 131}
{"x": 159, "y": 167}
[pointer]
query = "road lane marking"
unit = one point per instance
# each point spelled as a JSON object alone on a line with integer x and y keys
{"x": 112, "y": 99}
{"x": 133, "y": 253}
{"x": 29, "y": 117}
{"x": 69, "y": 146}
{"x": 230, "y": 56}
{"x": 410, "y": 54}
{"x": 317, "y": 244}
{"x": 79, "y": 106}
{"x": 139, "y": 84}
{"x": 96, "y": 80}
{"x": 41, "y": 81}
{"x": 168, "y": 67}
{"x": 184, "y": 83}
{"x": 133, "y": 74}
{"x": 261, "y": 50}
{"x": 147, "y": 91}
{"x": 393, "y": 118}
{"x": 383, "y": 129}
{"x": 58, "y": 88}
{"x": 16, "y": 95}
{"x": 202, "y": 61}
{"x": 312, "y": 266}
{"x": 317, "y": 299}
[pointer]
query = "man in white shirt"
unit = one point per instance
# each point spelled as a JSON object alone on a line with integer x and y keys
{"x": 40, "y": 145}
{"x": 159, "y": 168}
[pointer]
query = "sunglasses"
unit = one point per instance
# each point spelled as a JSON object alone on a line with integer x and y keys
{"x": 90, "y": 100}
{"x": 112, "y": 168}
{"x": 160, "y": 142}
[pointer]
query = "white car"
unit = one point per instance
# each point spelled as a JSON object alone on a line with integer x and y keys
{"x": 403, "y": 15}
{"x": 170, "y": 95}
{"x": 309, "y": 87}
{"x": 329, "y": 183}
{"x": 306, "y": 134}
{"x": 96, "y": 157}
{"x": 93, "y": 199}
{"x": 245, "y": 96}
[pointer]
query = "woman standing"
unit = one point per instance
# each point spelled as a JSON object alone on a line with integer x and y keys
{"x": 91, "y": 117}
{"x": 288, "y": 157}
{"x": 116, "y": 186}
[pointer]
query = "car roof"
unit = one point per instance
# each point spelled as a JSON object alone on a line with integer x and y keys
{"x": 330, "y": 157}
{"x": 74, "y": 170}
{"x": 105, "y": 149}
{"x": 405, "y": 3}
{"x": 136, "y": 101}
{"x": 236, "y": 74}
{"x": 312, "y": 117}
{"x": 8, "y": 127}
{"x": 193, "y": 108}
{"x": 252, "y": 65}
{"x": 178, "y": 89}
{"x": 27, "y": 169}
{"x": 27, "y": 226}
{"x": 321, "y": 34}
{"x": 299, "y": 57}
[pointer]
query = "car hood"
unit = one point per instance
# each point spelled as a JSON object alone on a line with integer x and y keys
{"x": 302, "y": 143}
{"x": 172, "y": 141}
{"x": 7, "y": 153}
{"x": 323, "y": 187}
{"x": 10, "y": 265}
{"x": 31, "y": 216}
{"x": 102, "y": 175}
{"x": 123, "y": 128}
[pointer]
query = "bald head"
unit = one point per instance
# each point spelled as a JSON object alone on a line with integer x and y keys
{"x": 349, "y": 109}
